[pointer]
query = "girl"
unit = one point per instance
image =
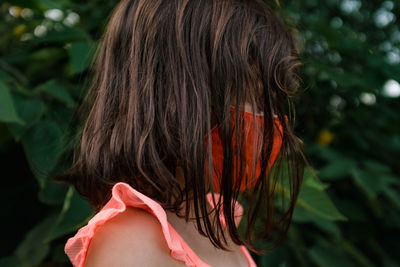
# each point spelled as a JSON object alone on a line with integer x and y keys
{"x": 185, "y": 114}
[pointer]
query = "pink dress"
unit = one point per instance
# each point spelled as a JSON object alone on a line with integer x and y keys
{"x": 124, "y": 195}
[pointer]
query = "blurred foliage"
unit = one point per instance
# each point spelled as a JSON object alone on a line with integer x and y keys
{"x": 347, "y": 116}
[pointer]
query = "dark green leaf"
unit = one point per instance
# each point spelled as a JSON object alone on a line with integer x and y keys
{"x": 58, "y": 91}
{"x": 49, "y": 4}
{"x": 5, "y": 77}
{"x": 10, "y": 261}
{"x": 33, "y": 249}
{"x": 312, "y": 199}
{"x": 75, "y": 213}
{"x": 81, "y": 54}
{"x": 30, "y": 110}
{"x": 318, "y": 203}
{"x": 65, "y": 35}
{"x": 43, "y": 144}
{"x": 329, "y": 257}
{"x": 337, "y": 169}
{"x": 8, "y": 112}
{"x": 53, "y": 192}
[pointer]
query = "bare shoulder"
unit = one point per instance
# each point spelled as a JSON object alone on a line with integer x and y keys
{"x": 131, "y": 238}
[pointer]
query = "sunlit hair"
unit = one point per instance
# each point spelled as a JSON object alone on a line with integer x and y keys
{"x": 163, "y": 69}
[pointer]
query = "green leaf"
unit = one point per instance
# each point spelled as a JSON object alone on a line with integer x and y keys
{"x": 329, "y": 256}
{"x": 65, "y": 35}
{"x": 57, "y": 90}
{"x": 301, "y": 214}
{"x": 43, "y": 145}
{"x": 376, "y": 167}
{"x": 53, "y": 192}
{"x": 318, "y": 202}
{"x": 395, "y": 142}
{"x": 312, "y": 199}
{"x": 274, "y": 257}
{"x": 311, "y": 181}
{"x": 33, "y": 249}
{"x": 394, "y": 196}
{"x": 10, "y": 261}
{"x": 324, "y": 152}
{"x": 5, "y": 134}
{"x": 75, "y": 213}
{"x": 81, "y": 54}
{"x": 351, "y": 209}
{"x": 49, "y": 4}
{"x": 62, "y": 115}
{"x": 30, "y": 110}
{"x": 338, "y": 169}
{"x": 356, "y": 254}
{"x": 5, "y": 77}
{"x": 58, "y": 254}
{"x": 8, "y": 112}
{"x": 372, "y": 183}
{"x": 368, "y": 182}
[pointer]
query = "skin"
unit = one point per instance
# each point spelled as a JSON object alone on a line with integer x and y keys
{"x": 134, "y": 238}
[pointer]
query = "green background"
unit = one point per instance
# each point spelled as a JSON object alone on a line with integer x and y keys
{"x": 347, "y": 114}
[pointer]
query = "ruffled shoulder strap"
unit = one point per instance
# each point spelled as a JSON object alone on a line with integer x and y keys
{"x": 123, "y": 195}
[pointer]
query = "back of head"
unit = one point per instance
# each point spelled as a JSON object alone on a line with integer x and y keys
{"x": 162, "y": 69}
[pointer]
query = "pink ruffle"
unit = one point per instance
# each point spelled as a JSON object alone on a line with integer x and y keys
{"x": 123, "y": 195}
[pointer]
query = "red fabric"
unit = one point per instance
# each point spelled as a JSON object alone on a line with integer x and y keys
{"x": 252, "y": 138}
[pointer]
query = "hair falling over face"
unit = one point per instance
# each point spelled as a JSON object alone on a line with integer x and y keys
{"x": 164, "y": 73}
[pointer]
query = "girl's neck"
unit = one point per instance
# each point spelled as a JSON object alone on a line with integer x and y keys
{"x": 192, "y": 215}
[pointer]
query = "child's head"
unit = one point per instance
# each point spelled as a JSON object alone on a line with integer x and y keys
{"x": 166, "y": 73}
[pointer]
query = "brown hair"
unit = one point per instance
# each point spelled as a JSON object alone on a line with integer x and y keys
{"x": 163, "y": 67}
